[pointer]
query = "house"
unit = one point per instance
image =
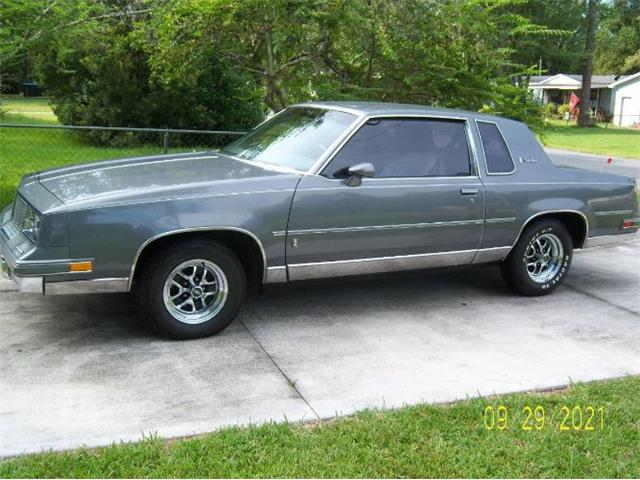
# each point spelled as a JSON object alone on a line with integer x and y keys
{"x": 625, "y": 101}
{"x": 615, "y": 96}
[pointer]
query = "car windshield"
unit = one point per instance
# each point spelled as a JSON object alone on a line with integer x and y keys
{"x": 295, "y": 138}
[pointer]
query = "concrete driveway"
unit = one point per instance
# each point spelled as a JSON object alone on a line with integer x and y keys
{"x": 84, "y": 370}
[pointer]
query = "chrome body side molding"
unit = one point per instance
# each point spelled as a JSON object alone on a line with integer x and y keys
{"x": 276, "y": 275}
{"x": 342, "y": 268}
{"x": 403, "y": 226}
{"x": 489, "y": 255}
{"x": 611, "y": 240}
{"x": 613, "y": 212}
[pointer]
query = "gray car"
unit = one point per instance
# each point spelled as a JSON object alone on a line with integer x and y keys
{"x": 319, "y": 190}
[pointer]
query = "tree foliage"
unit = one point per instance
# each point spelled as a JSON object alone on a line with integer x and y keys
{"x": 225, "y": 63}
{"x": 618, "y": 38}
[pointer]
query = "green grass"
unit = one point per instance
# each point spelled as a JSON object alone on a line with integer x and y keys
{"x": 610, "y": 141}
{"x": 25, "y": 150}
{"x": 33, "y": 110}
{"x": 417, "y": 441}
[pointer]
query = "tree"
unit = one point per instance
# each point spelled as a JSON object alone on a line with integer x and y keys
{"x": 98, "y": 70}
{"x": 584, "y": 115}
{"x": 20, "y": 24}
{"x": 223, "y": 63}
{"x": 558, "y": 48}
{"x": 270, "y": 40}
{"x": 618, "y": 38}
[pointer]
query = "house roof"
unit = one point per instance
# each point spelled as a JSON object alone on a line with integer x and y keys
{"x": 625, "y": 79}
{"x": 571, "y": 81}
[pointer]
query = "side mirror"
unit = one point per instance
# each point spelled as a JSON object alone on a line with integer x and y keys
{"x": 358, "y": 172}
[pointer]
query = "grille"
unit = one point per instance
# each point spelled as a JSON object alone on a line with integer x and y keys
{"x": 20, "y": 210}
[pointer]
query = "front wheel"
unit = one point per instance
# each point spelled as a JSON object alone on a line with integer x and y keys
{"x": 193, "y": 289}
{"x": 540, "y": 260}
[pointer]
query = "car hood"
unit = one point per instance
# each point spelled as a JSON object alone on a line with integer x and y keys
{"x": 153, "y": 177}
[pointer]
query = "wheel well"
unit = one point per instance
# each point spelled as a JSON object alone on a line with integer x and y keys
{"x": 247, "y": 249}
{"x": 576, "y": 225}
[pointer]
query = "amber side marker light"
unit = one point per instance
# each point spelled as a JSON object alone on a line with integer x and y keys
{"x": 81, "y": 266}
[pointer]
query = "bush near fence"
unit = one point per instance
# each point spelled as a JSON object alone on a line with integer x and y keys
{"x": 30, "y": 148}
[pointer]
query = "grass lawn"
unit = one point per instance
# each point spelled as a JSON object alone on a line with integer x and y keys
{"x": 418, "y": 441}
{"x": 24, "y": 150}
{"x": 27, "y": 150}
{"x": 610, "y": 141}
{"x": 32, "y": 109}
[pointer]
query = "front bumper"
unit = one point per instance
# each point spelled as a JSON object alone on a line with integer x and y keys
{"x": 47, "y": 284}
{"x": 24, "y": 284}
{"x": 41, "y": 285}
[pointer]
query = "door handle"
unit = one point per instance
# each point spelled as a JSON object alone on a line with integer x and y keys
{"x": 469, "y": 191}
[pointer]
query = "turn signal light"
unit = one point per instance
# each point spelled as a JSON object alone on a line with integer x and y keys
{"x": 81, "y": 266}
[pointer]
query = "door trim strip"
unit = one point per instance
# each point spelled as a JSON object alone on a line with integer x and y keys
{"x": 401, "y": 226}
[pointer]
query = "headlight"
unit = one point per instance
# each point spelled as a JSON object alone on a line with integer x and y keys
{"x": 30, "y": 224}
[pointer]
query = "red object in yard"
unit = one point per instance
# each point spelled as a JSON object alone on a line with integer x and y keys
{"x": 573, "y": 103}
{"x": 609, "y": 160}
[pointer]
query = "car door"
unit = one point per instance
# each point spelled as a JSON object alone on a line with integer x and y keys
{"x": 422, "y": 208}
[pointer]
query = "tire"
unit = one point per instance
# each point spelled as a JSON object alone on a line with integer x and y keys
{"x": 540, "y": 260}
{"x": 212, "y": 289}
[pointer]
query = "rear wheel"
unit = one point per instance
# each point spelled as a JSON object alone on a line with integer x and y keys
{"x": 193, "y": 289}
{"x": 540, "y": 260}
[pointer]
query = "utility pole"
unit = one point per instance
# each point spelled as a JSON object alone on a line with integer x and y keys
{"x": 584, "y": 119}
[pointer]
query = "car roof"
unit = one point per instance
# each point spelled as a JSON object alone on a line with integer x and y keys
{"x": 388, "y": 108}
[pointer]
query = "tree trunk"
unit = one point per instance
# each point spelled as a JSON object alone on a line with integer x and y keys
{"x": 584, "y": 119}
{"x": 274, "y": 96}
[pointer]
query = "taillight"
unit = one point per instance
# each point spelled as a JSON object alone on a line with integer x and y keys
{"x": 630, "y": 223}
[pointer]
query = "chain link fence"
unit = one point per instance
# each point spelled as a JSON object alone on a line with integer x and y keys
{"x": 28, "y": 148}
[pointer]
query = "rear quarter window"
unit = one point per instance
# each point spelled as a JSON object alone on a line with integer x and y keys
{"x": 496, "y": 153}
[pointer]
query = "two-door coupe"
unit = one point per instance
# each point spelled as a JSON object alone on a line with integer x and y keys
{"x": 319, "y": 190}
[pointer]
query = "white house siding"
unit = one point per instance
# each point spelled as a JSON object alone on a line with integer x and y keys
{"x": 626, "y": 95}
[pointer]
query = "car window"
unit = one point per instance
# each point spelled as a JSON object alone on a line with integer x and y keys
{"x": 496, "y": 152}
{"x": 295, "y": 138}
{"x": 406, "y": 147}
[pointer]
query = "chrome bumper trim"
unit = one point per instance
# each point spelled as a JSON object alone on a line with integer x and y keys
{"x": 611, "y": 240}
{"x": 76, "y": 287}
{"x": 4, "y": 267}
{"x": 23, "y": 284}
{"x": 276, "y": 275}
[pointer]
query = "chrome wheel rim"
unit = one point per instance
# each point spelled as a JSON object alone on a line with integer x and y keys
{"x": 544, "y": 257}
{"x": 195, "y": 291}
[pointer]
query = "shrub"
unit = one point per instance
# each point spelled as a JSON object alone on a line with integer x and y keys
{"x": 563, "y": 109}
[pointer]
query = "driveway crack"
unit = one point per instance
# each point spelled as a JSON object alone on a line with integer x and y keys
{"x": 290, "y": 382}
{"x": 603, "y": 300}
